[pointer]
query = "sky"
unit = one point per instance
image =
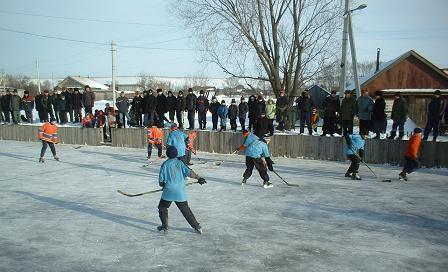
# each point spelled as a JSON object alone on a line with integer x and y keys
{"x": 395, "y": 26}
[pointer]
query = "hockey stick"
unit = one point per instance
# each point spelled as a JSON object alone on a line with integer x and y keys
{"x": 149, "y": 192}
{"x": 219, "y": 163}
{"x": 368, "y": 167}
{"x": 282, "y": 179}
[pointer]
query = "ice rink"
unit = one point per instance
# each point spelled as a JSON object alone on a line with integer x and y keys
{"x": 67, "y": 216}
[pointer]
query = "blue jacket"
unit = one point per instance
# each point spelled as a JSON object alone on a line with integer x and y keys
{"x": 173, "y": 173}
{"x": 357, "y": 143}
{"x": 365, "y": 107}
{"x": 222, "y": 111}
{"x": 177, "y": 139}
{"x": 255, "y": 148}
{"x": 251, "y": 138}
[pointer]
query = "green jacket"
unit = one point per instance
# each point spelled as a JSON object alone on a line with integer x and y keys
{"x": 270, "y": 109}
{"x": 14, "y": 103}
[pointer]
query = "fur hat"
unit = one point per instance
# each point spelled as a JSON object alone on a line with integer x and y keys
{"x": 233, "y": 100}
{"x": 437, "y": 92}
{"x": 201, "y": 92}
{"x": 417, "y": 130}
{"x": 173, "y": 126}
{"x": 378, "y": 93}
{"x": 171, "y": 152}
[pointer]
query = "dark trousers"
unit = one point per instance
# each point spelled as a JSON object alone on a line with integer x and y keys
{"x": 148, "y": 119}
{"x": 159, "y": 150}
{"x": 202, "y": 119}
{"x": 329, "y": 125}
{"x": 305, "y": 117}
{"x": 243, "y": 123}
{"x": 78, "y": 115}
{"x": 364, "y": 126}
{"x": 354, "y": 166}
{"x": 259, "y": 164}
{"x": 70, "y": 114}
{"x": 88, "y": 109}
{"x": 190, "y": 116}
{"x": 7, "y": 118}
{"x": 184, "y": 209}
{"x": 347, "y": 127}
{"x": 378, "y": 126}
{"x": 138, "y": 119}
{"x": 432, "y": 125}
{"x": 233, "y": 124}
{"x": 187, "y": 156}
{"x": 399, "y": 125}
{"x": 180, "y": 118}
{"x": 171, "y": 114}
{"x": 45, "y": 144}
{"x": 45, "y": 114}
{"x": 160, "y": 119}
{"x": 16, "y": 116}
{"x": 410, "y": 165}
{"x": 252, "y": 121}
{"x": 63, "y": 117}
{"x": 215, "y": 121}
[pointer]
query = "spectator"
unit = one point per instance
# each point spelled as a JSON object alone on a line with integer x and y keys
{"x": 435, "y": 110}
{"x": 54, "y": 98}
{"x": 314, "y": 118}
{"x": 150, "y": 104}
{"x": 88, "y": 121}
{"x": 233, "y": 114}
{"x": 137, "y": 109}
{"x": 46, "y": 103}
{"x": 123, "y": 107}
{"x": 109, "y": 113}
{"x": 270, "y": 114}
{"x": 331, "y": 110}
{"x": 88, "y": 99}
{"x": 77, "y": 105}
{"x": 243, "y": 109}
{"x": 222, "y": 113}
{"x": 379, "y": 114}
{"x": 304, "y": 104}
{"x": 1, "y": 110}
{"x": 214, "y": 111}
{"x": 365, "y": 107}
{"x": 6, "y": 107}
{"x": 28, "y": 106}
{"x": 399, "y": 116}
{"x": 282, "y": 110}
{"x": 190, "y": 105}
{"x": 348, "y": 112}
{"x": 202, "y": 108}
{"x": 261, "y": 107}
{"x": 14, "y": 106}
{"x": 252, "y": 105}
{"x": 171, "y": 106}
{"x": 161, "y": 108}
{"x": 62, "y": 106}
{"x": 68, "y": 94}
{"x": 263, "y": 127}
{"x": 39, "y": 108}
{"x": 180, "y": 108}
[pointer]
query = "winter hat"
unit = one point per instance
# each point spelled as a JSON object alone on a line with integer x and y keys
{"x": 333, "y": 91}
{"x": 201, "y": 92}
{"x": 417, "y": 130}
{"x": 180, "y": 92}
{"x": 214, "y": 97}
{"x": 15, "y": 91}
{"x": 173, "y": 126}
{"x": 245, "y": 133}
{"x": 45, "y": 91}
{"x": 159, "y": 90}
{"x": 223, "y": 101}
{"x": 437, "y": 92}
{"x": 397, "y": 94}
{"x": 233, "y": 100}
{"x": 347, "y": 92}
{"x": 378, "y": 93}
{"x": 190, "y": 90}
{"x": 171, "y": 152}
{"x": 242, "y": 98}
{"x": 26, "y": 92}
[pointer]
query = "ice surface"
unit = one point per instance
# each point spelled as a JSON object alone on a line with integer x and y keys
{"x": 67, "y": 216}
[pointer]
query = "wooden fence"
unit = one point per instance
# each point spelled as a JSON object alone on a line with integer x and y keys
{"x": 433, "y": 154}
{"x": 67, "y": 135}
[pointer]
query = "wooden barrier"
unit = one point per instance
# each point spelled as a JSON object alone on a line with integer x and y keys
{"x": 67, "y": 135}
{"x": 298, "y": 146}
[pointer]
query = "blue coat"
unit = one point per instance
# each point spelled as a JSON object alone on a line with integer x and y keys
{"x": 173, "y": 173}
{"x": 365, "y": 107}
{"x": 177, "y": 139}
{"x": 255, "y": 148}
{"x": 222, "y": 111}
{"x": 357, "y": 143}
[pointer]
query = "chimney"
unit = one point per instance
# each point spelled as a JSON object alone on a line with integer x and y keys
{"x": 377, "y": 60}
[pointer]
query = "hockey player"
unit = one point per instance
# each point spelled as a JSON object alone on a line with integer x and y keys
{"x": 155, "y": 135}
{"x": 190, "y": 147}
{"x": 354, "y": 150}
{"x": 179, "y": 140}
{"x": 411, "y": 154}
{"x": 255, "y": 150}
{"x": 172, "y": 179}
{"x": 48, "y": 134}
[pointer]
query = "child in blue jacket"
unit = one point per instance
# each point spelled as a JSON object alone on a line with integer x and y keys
{"x": 354, "y": 150}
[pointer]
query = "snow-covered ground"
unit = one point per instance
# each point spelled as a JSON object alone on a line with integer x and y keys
{"x": 67, "y": 216}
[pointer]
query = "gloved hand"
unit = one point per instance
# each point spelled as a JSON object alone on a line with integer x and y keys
{"x": 241, "y": 148}
{"x": 269, "y": 163}
{"x": 201, "y": 181}
{"x": 162, "y": 184}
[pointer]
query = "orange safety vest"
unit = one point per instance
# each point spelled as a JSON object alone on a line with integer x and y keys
{"x": 155, "y": 135}
{"x": 48, "y": 133}
{"x": 413, "y": 146}
{"x": 191, "y": 138}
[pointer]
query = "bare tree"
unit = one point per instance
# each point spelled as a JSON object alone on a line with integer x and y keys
{"x": 283, "y": 42}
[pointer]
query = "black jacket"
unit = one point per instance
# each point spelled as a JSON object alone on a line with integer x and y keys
{"x": 6, "y": 99}
{"x": 150, "y": 103}
{"x": 243, "y": 108}
{"x": 260, "y": 107}
{"x": 38, "y": 102}
{"x": 180, "y": 103}
{"x": 435, "y": 109}
{"x": 68, "y": 100}
{"x": 399, "y": 110}
{"x": 282, "y": 103}
{"x": 171, "y": 103}
{"x": 137, "y": 104}
{"x": 331, "y": 106}
{"x": 263, "y": 126}
{"x": 161, "y": 104}
{"x": 348, "y": 108}
{"x": 304, "y": 104}
{"x": 213, "y": 107}
{"x": 233, "y": 111}
{"x": 378, "y": 112}
{"x": 252, "y": 105}
{"x": 190, "y": 101}
{"x": 77, "y": 101}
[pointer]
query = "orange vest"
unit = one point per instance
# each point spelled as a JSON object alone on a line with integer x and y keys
{"x": 48, "y": 133}
{"x": 413, "y": 146}
{"x": 191, "y": 138}
{"x": 155, "y": 135}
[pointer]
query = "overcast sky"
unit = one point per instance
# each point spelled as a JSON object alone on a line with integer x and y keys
{"x": 395, "y": 26}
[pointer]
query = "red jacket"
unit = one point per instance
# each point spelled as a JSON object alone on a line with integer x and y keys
{"x": 413, "y": 146}
{"x": 48, "y": 133}
{"x": 191, "y": 138}
{"x": 155, "y": 135}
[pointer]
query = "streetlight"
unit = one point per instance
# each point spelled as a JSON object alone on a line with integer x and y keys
{"x": 348, "y": 32}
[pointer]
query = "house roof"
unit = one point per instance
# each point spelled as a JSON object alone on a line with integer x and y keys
{"x": 84, "y": 81}
{"x": 390, "y": 64}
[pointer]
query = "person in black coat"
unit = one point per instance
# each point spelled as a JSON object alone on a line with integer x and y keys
{"x": 137, "y": 109}
{"x": 304, "y": 103}
{"x": 47, "y": 106}
{"x": 233, "y": 114}
{"x": 435, "y": 110}
{"x": 171, "y": 106}
{"x": 77, "y": 105}
{"x": 190, "y": 101}
{"x": 149, "y": 108}
{"x": 243, "y": 109}
{"x": 261, "y": 107}
{"x": 39, "y": 109}
{"x": 6, "y": 101}
{"x": 252, "y": 104}
{"x": 213, "y": 107}
{"x": 263, "y": 127}
{"x": 379, "y": 114}
{"x": 161, "y": 108}
{"x": 331, "y": 110}
{"x": 282, "y": 110}
{"x": 68, "y": 94}
{"x": 202, "y": 108}
{"x": 180, "y": 108}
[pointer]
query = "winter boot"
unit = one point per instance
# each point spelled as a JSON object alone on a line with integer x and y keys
{"x": 267, "y": 184}
{"x": 355, "y": 176}
{"x": 400, "y": 135}
{"x": 160, "y": 228}
{"x": 199, "y": 229}
{"x": 377, "y": 136}
{"x": 41, "y": 159}
{"x": 348, "y": 175}
{"x": 243, "y": 182}
{"x": 56, "y": 158}
{"x": 392, "y": 135}
{"x": 402, "y": 176}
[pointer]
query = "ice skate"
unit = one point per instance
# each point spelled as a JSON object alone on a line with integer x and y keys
{"x": 402, "y": 176}
{"x": 355, "y": 176}
{"x": 348, "y": 175}
{"x": 56, "y": 158}
{"x": 41, "y": 159}
{"x": 243, "y": 182}
{"x": 162, "y": 228}
{"x": 267, "y": 184}
{"x": 199, "y": 230}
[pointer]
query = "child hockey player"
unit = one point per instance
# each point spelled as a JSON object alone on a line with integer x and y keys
{"x": 172, "y": 178}
{"x": 411, "y": 154}
{"x": 178, "y": 139}
{"x": 255, "y": 149}
{"x": 190, "y": 147}
{"x": 155, "y": 135}
{"x": 354, "y": 150}
{"x": 48, "y": 134}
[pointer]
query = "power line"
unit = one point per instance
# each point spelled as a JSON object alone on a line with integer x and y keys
{"x": 84, "y": 19}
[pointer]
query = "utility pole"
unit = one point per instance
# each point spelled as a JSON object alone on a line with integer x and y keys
{"x": 344, "y": 49}
{"x": 113, "y": 49}
{"x": 38, "y": 76}
{"x": 52, "y": 81}
{"x": 353, "y": 52}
